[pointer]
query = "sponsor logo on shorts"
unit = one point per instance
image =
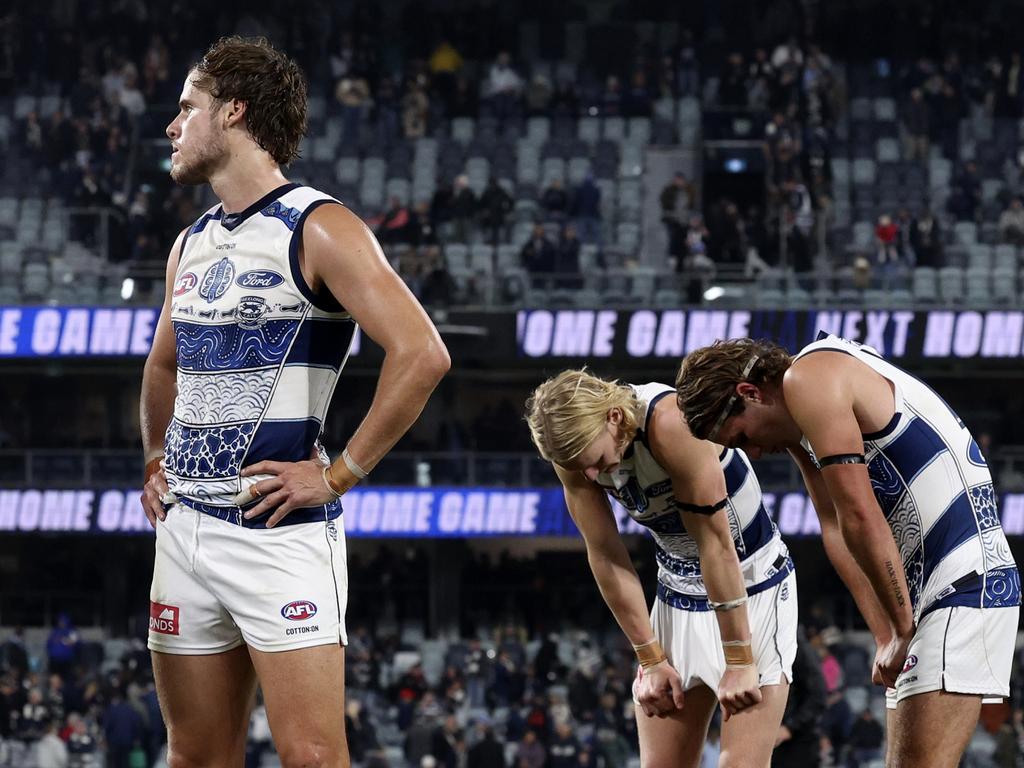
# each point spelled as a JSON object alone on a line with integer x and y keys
{"x": 910, "y": 663}
{"x": 259, "y": 279}
{"x": 332, "y": 531}
{"x": 785, "y": 592}
{"x": 299, "y": 610}
{"x": 164, "y": 619}
{"x": 185, "y": 284}
{"x": 905, "y": 680}
{"x": 303, "y": 630}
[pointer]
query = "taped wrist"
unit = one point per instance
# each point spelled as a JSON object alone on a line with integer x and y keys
{"x": 738, "y": 653}
{"x": 650, "y": 653}
{"x": 701, "y": 509}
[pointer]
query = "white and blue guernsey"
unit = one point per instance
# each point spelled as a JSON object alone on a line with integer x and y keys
{"x": 934, "y": 487}
{"x": 644, "y": 489}
{"x": 258, "y": 353}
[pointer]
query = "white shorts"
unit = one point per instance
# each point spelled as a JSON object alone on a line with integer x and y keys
{"x": 960, "y": 650}
{"x": 217, "y": 585}
{"x": 694, "y": 646}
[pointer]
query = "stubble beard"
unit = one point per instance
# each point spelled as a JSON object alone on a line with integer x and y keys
{"x": 199, "y": 170}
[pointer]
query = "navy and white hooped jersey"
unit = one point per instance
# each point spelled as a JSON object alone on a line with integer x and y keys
{"x": 644, "y": 489}
{"x": 258, "y": 353}
{"x": 933, "y": 484}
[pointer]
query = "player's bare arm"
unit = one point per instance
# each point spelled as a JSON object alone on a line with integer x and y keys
{"x": 698, "y": 485}
{"x": 340, "y": 253}
{"x": 820, "y": 394}
{"x": 159, "y": 388}
{"x": 838, "y": 554}
{"x": 619, "y": 585}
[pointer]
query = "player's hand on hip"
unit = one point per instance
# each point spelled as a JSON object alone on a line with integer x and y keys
{"x": 155, "y": 493}
{"x": 291, "y": 486}
{"x": 739, "y": 689}
{"x": 890, "y": 657}
{"x": 658, "y": 690}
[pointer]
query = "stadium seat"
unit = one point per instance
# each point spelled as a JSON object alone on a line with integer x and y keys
{"x": 538, "y": 129}
{"x": 925, "y": 284}
{"x": 1005, "y": 257}
{"x": 640, "y": 130}
{"x": 589, "y": 129}
{"x": 1004, "y": 289}
{"x": 979, "y": 256}
{"x": 979, "y": 287}
{"x": 951, "y": 284}
{"x": 863, "y": 171}
{"x": 885, "y": 110}
{"x": 965, "y": 232}
{"x": 463, "y": 129}
{"x": 614, "y": 129}
{"x": 456, "y": 256}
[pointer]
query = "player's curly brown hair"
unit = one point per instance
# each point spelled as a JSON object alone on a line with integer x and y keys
{"x": 272, "y": 86}
{"x": 708, "y": 377}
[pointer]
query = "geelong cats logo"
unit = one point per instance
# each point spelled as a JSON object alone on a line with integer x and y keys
{"x": 251, "y": 311}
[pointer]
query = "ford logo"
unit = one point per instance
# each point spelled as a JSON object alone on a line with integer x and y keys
{"x": 299, "y": 610}
{"x": 259, "y": 278}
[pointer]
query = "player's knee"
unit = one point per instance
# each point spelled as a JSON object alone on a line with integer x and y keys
{"x": 178, "y": 758}
{"x": 308, "y": 753}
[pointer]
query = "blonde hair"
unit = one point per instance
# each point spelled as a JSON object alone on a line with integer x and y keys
{"x": 568, "y": 412}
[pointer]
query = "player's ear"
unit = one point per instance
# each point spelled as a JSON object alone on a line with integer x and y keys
{"x": 234, "y": 112}
{"x": 615, "y": 416}
{"x": 749, "y": 391}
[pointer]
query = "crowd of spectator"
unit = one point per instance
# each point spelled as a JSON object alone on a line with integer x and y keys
{"x": 485, "y": 699}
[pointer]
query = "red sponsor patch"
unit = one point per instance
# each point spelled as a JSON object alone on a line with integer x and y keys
{"x": 163, "y": 619}
{"x": 185, "y": 284}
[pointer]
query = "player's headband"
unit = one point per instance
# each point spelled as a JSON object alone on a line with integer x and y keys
{"x": 732, "y": 400}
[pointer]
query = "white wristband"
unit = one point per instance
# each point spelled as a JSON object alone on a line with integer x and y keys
{"x": 354, "y": 468}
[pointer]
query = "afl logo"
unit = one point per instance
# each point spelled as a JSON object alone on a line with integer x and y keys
{"x": 259, "y": 279}
{"x": 300, "y": 610}
{"x": 217, "y": 280}
{"x": 185, "y": 284}
{"x": 911, "y": 663}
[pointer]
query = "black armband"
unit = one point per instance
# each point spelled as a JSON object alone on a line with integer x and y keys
{"x": 701, "y": 509}
{"x": 842, "y": 458}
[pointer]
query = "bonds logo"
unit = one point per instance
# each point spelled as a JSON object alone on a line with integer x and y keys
{"x": 910, "y": 664}
{"x": 251, "y": 311}
{"x": 185, "y": 284}
{"x": 163, "y": 619}
{"x": 259, "y": 279}
{"x": 299, "y": 610}
{"x": 217, "y": 280}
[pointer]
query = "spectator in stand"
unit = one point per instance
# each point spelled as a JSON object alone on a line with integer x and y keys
{"x": 688, "y": 72}
{"x": 462, "y": 208}
{"x": 887, "y": 254}
{"x": 415, "y": 108}
{"x": 82, "y": 746}
{"x": 495, "y": 206}
{"x": 445, "y": 63}
{"x": 122, "y": 730}
{"x": 131, "y": 98}
{"x": 13, "y": 655}
{"x": 487, "y": 752}
{"x": 677, "y": 198}
{"x": 732, "y": 90}
{"x": 965, "y": 195}
{"x": 586, "y": 210}
{"x": 1011, "y": 223}
{"x": 386, "y": 109}
{"x": 503, "y": 87}
{"x": 538, "y": 96}
{"x": 916, "y": 128}
{"x": 949, "y": 108}
{"x": 567, "y": 262}
{"x": 530, "y": 753}
{"x": 465, "y": 100}
{"x": 904, "y": 237}
{"x": 555, "y": 200}
{"x": 353, "y": 95}
{"x": 50, "y": 751}
{"x": 637, "y": 100}
{"x": 448, "y": 744}
{"x": 926, "y": 240}
{"x": 866, "y": 737}
{"x": 836, "y": 721}
{"x": 62, "y": 646}
{"x": 438, "y": 287}
{"x": 30, "y": 722}
{"x": 395, "y": 225}
{"x": 610, "y": 104}
{"x": 538, "y": 253}
{"x": 564, "y": 749}
{"x": 799, "y": 741}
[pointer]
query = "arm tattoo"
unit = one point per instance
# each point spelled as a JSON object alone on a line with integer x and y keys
{"x": 895, "y": 583}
